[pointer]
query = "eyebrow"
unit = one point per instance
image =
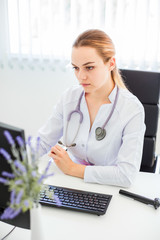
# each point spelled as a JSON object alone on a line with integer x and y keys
{"x": 84, "y": 63}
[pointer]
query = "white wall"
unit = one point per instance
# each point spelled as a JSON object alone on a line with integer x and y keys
{"x": 27, "y": 96}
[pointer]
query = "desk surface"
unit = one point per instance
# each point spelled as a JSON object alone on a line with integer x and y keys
{"x": 125, "y": 218}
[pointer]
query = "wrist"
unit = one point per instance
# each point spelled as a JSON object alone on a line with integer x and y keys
{"x": 78, "y": 170}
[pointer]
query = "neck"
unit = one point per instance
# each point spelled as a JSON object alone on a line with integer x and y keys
{"x": 102, "y": 93}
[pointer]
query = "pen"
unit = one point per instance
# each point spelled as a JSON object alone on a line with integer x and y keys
{"x": 155, "y": 202}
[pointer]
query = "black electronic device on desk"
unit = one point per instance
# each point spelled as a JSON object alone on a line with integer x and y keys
{"x": 23, "y": 219}
{"x": 73, "y": 199}
{"x": 154, "y": 202}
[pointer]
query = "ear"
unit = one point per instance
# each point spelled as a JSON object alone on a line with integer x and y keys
{"x": 112, "y": 63}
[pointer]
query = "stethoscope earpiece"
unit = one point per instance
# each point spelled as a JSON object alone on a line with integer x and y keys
{"x": 100, "y": 133}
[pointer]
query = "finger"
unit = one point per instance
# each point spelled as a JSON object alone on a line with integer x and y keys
{"x": 59, "y": 148}
{"x": 54, "y": 150}
{"x": 51, "y": 155}
{"x": 54, "y": 156}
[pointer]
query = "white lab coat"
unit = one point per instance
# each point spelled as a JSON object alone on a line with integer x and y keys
{"x": 116, "y": 159}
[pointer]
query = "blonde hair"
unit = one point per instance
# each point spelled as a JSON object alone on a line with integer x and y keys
{"x": 100, "y": 41}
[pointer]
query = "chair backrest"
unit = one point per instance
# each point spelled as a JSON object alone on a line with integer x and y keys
{"x": 146, "y": 86}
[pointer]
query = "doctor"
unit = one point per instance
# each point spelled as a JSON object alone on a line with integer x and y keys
{"x": 101, "y": 122}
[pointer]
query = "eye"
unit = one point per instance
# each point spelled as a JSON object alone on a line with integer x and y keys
{"x": 75, "y": 68}
{"x": 90, "y": 68}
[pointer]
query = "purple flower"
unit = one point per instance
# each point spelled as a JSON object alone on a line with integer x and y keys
{"x": 3, "y": 180}
{"x": 10, "y": 213}
{"x": 9, "y": 137}
{"x": 34, "y": 174}
{"x": 7, "y": 212}
{"x": 58, "y": 202}
{"x": 12, "y": 197}
{"x": 30, "y": 145}
{"x": 43, "y": 177}
{"x": 20, "y": 166}
{"x": 26, "y": 203}
{"x": 29, "y": 140}
{"x": 18, "y": 182}
{"x": 15, "y": 213}
{"x": 38, "y": 143}
{"x": 49, "y": 175}
{"x": 7, "y": 174}
{"x": 20, "y": 141}
{"x": 19, "y": 196}
{"x": 5, "y": 154}
{"x": 48, "y": 166}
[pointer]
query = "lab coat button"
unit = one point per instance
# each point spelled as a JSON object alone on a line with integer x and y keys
{"x": 83, "y": 145}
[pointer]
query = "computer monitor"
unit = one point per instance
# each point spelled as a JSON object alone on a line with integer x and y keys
{"x": 23, "y": 219}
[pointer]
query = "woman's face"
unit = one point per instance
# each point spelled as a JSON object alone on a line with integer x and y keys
{"x": 90, "y": 70}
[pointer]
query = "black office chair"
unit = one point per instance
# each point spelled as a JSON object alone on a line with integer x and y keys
{"x": 146, "y": 86}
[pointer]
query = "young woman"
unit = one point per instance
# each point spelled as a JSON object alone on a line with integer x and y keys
{"x": 101, "y": 122}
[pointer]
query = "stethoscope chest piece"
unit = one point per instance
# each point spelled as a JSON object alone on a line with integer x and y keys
{"x": 100, "y": 133}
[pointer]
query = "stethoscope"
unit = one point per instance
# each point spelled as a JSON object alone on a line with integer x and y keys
{"x": 100, "y": 132}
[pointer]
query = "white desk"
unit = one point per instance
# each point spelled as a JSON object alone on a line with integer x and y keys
{"x": 125, "y": 218}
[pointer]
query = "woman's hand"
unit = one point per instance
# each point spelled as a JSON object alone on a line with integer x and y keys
{"x": 63, "y": 161}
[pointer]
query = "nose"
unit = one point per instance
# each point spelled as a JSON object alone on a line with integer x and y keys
{"x": 82, "y": 75}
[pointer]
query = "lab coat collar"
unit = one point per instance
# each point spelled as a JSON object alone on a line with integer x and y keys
{"x": 112, "y": 95}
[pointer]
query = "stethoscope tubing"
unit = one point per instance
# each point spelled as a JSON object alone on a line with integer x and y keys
{"x": 112, "y": 110}
{"x": 77, "y": 110}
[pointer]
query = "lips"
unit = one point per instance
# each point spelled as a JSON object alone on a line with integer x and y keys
{"x": 85, "y": 84}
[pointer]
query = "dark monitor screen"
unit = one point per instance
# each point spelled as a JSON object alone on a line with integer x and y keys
{"x": 22, "y": 220}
